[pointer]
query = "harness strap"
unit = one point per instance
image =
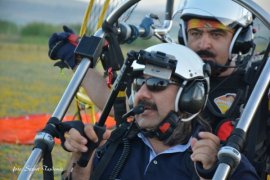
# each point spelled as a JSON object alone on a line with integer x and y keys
{"x": 123, "y": 158}
{"x": 104, "y": 161}
{"x": 47, "y": 165}
{"x": 106, "y": 152}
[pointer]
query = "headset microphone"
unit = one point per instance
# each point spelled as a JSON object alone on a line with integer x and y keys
{"x": 216, "y": 68}
{"x": 214, "y": 65}
{"x": 136, "y": 110}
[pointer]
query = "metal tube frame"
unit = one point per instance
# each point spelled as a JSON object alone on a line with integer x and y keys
{"x": 224, "y": 169}
{"x": 65, "y": 101}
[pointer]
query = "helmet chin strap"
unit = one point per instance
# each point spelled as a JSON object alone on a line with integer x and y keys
{"x": 165, "y": 128}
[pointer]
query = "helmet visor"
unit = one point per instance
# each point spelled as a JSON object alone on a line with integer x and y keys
{"x": 227, "y": 12}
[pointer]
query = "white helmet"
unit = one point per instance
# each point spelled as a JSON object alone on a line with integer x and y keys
{"x": 226, "y": 12}
{"x": 190, "y": 70}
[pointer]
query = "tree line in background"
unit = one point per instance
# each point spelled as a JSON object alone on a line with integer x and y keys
{"x": 33, "y": 29}
{"x": 39, "y": 33}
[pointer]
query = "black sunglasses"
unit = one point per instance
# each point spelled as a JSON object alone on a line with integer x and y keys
{"x": 153, "y": 83}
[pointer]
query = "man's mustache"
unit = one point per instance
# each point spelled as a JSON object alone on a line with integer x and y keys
{"x": 148, "y": 104}
{"x": 205, "y": 53}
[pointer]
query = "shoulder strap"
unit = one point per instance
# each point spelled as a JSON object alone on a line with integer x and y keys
{"x": 104, "y": 161}
{"x": 111, "y": 147}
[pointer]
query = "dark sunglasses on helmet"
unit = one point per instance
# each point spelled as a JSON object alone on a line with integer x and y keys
{"x": 153, "y": 83}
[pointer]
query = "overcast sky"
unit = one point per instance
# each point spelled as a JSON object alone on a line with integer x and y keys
{"x": 70, "y": 11}
{"x": 159, "y": 4}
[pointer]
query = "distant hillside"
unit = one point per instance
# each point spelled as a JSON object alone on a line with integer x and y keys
{"x": 49, "y": 11}
{"x": 72, "y": 12}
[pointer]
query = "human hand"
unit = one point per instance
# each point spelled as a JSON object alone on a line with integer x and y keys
{"x": 62, "y": 46}
{"x": 205, "y": 149}
{"x": 75, "y": 142}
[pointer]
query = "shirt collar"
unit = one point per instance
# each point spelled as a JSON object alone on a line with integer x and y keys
{"x": 174, "y": 149}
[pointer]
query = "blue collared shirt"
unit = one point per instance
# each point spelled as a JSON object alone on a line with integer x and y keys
{"x": 152, "y": 154}
{"x": 143, "y": 163}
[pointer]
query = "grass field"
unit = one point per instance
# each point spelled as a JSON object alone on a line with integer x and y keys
{"x": 29, "y": 85}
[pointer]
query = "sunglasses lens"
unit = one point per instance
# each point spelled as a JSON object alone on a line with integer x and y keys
{"x": 153, "y": 84}
{"x": 156, "y": 84}
{"x": 137, "y": 84}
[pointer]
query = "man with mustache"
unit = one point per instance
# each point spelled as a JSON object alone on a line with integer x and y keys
{"x": 222, "y": 35}
{"x": 160, "y": 136}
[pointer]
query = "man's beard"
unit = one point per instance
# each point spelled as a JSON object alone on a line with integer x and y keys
{"x": 216, "y": 68}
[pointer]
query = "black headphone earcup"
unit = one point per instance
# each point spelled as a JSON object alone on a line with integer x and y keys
{"x": 244, "y": 41}
{"x": 193, "y": 97}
